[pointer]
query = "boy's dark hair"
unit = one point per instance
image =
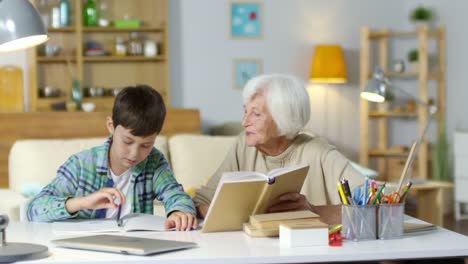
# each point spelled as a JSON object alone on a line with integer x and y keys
{"x": 139, "y": 108}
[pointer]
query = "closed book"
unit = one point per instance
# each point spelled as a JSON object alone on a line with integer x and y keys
{"x": 241, "y": 194}
{"x": 303, "y": 234}
{"x": 273, "y": 220}
{"x": 254, "y": 232}
{"x": 417, "y": 227}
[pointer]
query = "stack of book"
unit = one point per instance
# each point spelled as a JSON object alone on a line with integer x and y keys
{"x": 267, "y": 225}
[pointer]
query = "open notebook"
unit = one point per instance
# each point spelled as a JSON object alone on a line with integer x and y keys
{"x": 130, "y": 222}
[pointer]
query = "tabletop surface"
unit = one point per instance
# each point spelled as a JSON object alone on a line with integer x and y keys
{"x": 237, "y": 247}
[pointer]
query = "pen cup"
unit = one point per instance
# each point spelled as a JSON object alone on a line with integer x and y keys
{"x": 390, "y": 220}
{"x": 359, "y": 222}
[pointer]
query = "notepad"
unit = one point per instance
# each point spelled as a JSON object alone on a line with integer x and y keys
{"x": 130, "y": 222}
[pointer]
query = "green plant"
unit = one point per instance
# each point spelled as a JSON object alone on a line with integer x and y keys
{"x": 421, "y": 13}
{"x": 440, "y": 159}
{"x": 413, "y": 55}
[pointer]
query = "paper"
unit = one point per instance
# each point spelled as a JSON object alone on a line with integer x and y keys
{"x": 131, "y": 222}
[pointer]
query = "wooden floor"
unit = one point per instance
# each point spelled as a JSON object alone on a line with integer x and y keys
{"x": 457, "y": 226}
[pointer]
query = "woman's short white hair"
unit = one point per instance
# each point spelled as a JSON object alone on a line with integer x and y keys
{"x": 286, "y": 99}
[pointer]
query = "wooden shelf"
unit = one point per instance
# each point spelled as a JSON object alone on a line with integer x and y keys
{"x": 116, "y": 30}
{"x": 55, "y": 59}
{"x": 409, "y": 75}
{"x": 61, "y": 30}
{"x": 386, "y": 34}
{"x": 382, "y": 114}
{"x": 123, "y": 59}
{"x": 387, "y": 153}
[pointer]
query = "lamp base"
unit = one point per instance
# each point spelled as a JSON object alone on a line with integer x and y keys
{"x": 11, "y": 252}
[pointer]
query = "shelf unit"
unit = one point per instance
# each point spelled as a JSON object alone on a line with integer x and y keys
{"x": 382, "y": 152}
{"x": 102, "y": 71}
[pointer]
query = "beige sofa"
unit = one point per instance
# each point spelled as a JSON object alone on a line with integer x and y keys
{"x": 193, "y": 159}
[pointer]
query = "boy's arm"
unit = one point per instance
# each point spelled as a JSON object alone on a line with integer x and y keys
{"x": 49, "y": 204}
{"x": 170, "y": 192}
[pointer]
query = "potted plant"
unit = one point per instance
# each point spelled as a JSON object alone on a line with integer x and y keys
{"x": 421, "y": 14}
{"x": 413, "y": 59}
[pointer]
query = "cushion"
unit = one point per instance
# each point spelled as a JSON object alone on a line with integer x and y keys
{"x": 35, "y": 162}
{"x": 195, "y": 158}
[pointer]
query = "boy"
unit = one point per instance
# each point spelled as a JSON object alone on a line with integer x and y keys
{"x": 126, "y": 171}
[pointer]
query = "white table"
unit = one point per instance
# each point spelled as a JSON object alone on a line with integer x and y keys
{"x": 237, "y": 247}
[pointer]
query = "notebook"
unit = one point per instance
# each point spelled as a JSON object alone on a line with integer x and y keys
{"x": 123, "y": 244}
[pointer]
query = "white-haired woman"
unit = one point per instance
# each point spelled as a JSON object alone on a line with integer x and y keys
{"x": 276, "y": 109}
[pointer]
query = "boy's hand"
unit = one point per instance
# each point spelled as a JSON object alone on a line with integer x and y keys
{"x": 104, "y": 198}
{"x": 181, "y": 221}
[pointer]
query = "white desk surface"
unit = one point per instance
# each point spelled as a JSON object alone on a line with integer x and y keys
{"x": 237, "y": 247}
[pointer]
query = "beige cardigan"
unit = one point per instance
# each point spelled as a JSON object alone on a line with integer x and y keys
{"x": 327, "y": 165}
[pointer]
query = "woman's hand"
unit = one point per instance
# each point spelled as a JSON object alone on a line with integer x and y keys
{"x": 202, "y": 210}
{"x": 291, "y": 202}
{"x": 181, "y": 221}
{"x": 104, "y": 198}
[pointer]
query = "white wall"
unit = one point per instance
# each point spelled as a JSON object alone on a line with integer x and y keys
{"x": 201, "y": 69}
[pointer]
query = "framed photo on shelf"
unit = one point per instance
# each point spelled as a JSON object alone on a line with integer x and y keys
{"x": 244, "y": 70}
{"x": 245, "y": 20}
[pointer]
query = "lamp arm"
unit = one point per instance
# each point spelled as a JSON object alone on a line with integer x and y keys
{"x": 432, "y": 108}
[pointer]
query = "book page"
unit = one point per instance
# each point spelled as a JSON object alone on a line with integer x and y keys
{"x": 236, "y": 176}
{"x": 131, "y": 222}
{"x": 143, "y": 222}
{"x": 279, "y": 171}
{"x": 79, "y": 226}
{"x": 291, "y": 181}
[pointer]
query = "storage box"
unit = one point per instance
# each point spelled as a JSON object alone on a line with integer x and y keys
{"x": 303, "y": 234}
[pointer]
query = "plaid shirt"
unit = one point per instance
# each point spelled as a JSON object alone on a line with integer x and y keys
{"x": 86, "y": 172}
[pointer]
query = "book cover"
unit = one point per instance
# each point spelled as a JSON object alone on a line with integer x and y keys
{"x": 273, "y": 220}
{"x": 241, "y": 194}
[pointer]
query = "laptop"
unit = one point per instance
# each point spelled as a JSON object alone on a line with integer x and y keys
{"x": 123, "y": 244}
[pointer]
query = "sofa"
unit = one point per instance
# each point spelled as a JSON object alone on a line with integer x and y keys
{"x": 33, "y": 163}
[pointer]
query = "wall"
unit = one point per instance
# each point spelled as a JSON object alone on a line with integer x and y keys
{"x": 201, "y": 66}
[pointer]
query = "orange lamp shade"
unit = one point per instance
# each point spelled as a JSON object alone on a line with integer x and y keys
{"x": 328, "y": 65}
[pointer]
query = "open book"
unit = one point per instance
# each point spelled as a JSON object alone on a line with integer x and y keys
{"x": 130, "y": 222}
{"x": 241, "y": 194}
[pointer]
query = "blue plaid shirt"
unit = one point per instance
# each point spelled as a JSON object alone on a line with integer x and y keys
{"x": 86, "y": 172}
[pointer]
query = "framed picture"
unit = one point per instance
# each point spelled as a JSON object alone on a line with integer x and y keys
{"x": 244, "y": 70}
{"x": 245, "y": 20}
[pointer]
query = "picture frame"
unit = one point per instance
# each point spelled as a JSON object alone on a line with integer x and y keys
{"x": 244, "y": 69}
{"x": 246, "y": 20}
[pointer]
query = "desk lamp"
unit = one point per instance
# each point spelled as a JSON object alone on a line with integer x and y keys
{"x": 20, "y": 27}
{"x": 375, "y": 91}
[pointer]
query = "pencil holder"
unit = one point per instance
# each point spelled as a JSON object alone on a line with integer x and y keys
{"x": 390, "y": 220}
{"x": 359, "y": 222}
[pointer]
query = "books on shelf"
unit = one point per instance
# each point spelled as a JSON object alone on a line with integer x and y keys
{"x": 303, "y": 234}
{"x": 241, "y": 194}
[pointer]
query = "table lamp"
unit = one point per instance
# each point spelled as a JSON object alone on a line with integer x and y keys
{"x": 375, "y": 91}
{"x": 20, "y": 25}
{"x": 328, "y": 65}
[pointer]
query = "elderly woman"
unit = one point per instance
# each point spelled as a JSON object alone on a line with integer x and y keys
{"x": 276, "y": 109}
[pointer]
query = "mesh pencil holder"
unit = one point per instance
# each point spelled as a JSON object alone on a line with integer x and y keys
{"x": 390, "y": 220}
{"x": 359, "y": 222}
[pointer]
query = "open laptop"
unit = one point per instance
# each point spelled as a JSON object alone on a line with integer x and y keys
{"x": 123, "y": 244}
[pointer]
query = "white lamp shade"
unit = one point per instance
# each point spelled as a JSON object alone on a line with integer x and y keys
{"x": 20, "y": 25}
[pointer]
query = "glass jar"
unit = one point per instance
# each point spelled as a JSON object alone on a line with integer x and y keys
{"x": 135, "y": 45}
{"x": 120, "y": 49}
